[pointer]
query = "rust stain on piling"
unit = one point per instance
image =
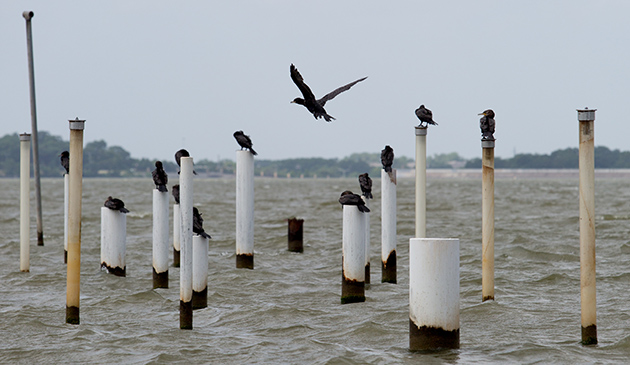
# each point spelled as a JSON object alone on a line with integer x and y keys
{"x": 175, "y": 258}
{"x": 431, "y": 338}
{"x": 117, "y": 271}
{"x": 589, "y": 335}
{"x": 72, "y": 315}
{"x": 367, "y": 276}
{"x": 185, "y": 315}
{"x": 245, "y": 261}
{"x": 160, "y": 280}
{"x": 200, "y": 299}
{"x": 388, "y": 269}
{"x": 352, "y": 291}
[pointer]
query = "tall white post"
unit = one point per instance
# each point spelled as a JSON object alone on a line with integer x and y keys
{"x": 421, "y": 182}
{"x": 200, "y": 272}
{"x": 586, "y": 119}
{"x": 244, "y": 209}
{"x": 160, "y": 239}
{"x": 66, "y": 207}
{"x": 366, "y": 226}
{"x": 487, "y": 220}
{"x": 185, "y": 272}
{"x": 113, "y": 241}
{"x": 25, "y": 201}
{"x": 353, "y": 256}
{"x": 388, "y": 227}
{"x": 177, "y": 222}
{"x": 433, "y": 293}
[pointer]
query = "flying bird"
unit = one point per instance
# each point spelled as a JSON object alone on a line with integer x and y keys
{"x": 366, "y": 185}
{"x": 65, "y": 161}
{"x": 349, "y": 198}
{"x": 175, "y": 191}
{"x": 115, "y": 204}
{"x": 198, "y": 224}
{"x": 387, "y": 158}
{"x": 244, "y": 141}
{"x": 160, "y": 178}
{"x": 425, "y": 116}
{"x": 313, "y": 105}
{"x": 178, "y": 156}
{"x": 486, "y": 123}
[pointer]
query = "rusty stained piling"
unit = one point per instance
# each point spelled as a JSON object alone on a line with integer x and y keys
{"x": 296, "y": 236}
{"x": 160, "y": 239}
{"x": 388, "y": 227}
{"x": 186, "y": 252}
{"x": 421, "y": 181}
{"x": 74, "y": 222}
{"x": 28, "y": 15}
{"x": 586, "y": 118}
{"x": 487, "y": 220}
{"x": 366, "y": 238}
{"x": 113, "y": 241}
{"x": 200, "y": 272}
{"x": 353, "y": 256}
{"x": 25, "y": 201}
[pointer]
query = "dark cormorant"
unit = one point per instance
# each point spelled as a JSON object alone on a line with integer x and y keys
{"x": 160, "y": 178}
{"x": 244, "y": 141}
{"x": 486, "y": 123}
{"x": 387, "y": 158}
{"x": 115, "y": 204}
{"x": 313, "y": 105}
{"x": 349, "y": 198}
{"x": 425, "y": 116}
{"x": 65, "y": 161}
{"x": 198, "y": 224}
{"x": 178, "y": 156}
{"x": 175, "y": 191}
{"x": 366, "y": 185}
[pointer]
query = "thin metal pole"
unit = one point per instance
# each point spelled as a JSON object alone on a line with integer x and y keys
{"x": 421, "y": 182}
{"x": 487, "y": 220}
{"x": 28, "y": 15}
{"x": 25, "y": 198}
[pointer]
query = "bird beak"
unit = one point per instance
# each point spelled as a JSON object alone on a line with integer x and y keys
{"x": 481, "y": 114}
{"x": 292, "y": 102}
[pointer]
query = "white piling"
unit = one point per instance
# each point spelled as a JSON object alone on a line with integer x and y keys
{"x": 25, "y": 201}
{"x": 353, "y": 256}
{"x": 185, "y": 272}
{"x": 433, "y": 293}
{"x": 366, "y": 237}
{"x": 388, "y": 227}
{"x": 586, "y": 119}
{"x": 421, "y": 182}
{"x": 113, "y": 241}
{"x": 487, "y": 220}
{"x": 177, "y": 221}
{"x": 200, "y": 272}
{"x": 66, "y": 207}
{"x": 244, "y": 209}
{"x": 160, "y": 239}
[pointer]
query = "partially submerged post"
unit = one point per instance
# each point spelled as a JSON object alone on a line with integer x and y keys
{"x": 74, "y": 222}
{"x": 586, "y": 118}
{"x": 28, "y": 15}
{"x": 177, "y": 219}
{"x": 433, "y": 293}
{"x": 296, "y": 235}
{"x": 160, "y": 239}
{"x": 113, "y": 241}
{"x": 487, "y": 205}
{"x": 25, "y": 201}
{"x": 353, "y": 256}
{"x": 421, "y": 181}
{"x": 388, "y": 226}
{"x": 200, "y": 272}
{"x": 244, "y": 209}
{"x": 185, "y": 272}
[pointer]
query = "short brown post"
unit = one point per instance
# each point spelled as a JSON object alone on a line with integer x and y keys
{"x": 296, "y": 235}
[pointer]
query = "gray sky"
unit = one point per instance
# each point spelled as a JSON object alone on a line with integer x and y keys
{"x": 157, "y": 76}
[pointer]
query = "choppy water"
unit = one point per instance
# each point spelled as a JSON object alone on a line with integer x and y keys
{"x": 288, "y": 309}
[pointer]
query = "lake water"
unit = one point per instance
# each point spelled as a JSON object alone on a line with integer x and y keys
{"x": 287, "y": 310}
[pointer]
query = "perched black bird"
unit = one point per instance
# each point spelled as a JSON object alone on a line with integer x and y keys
{"x": 160, "y": 178}
{"x": 316, "y": 106}
{"x": 244, "y": 141}
{"x": 425, "y": 116}
{"x": 116, "y": 204}
{"x": 366, "y": 185}
{"x": 175, "y": 192}
{"x": 348, "y": 198}
{"x": 387, "y": 158}
{"x": 178, "y": 156}
{"x": 65, "y": 161}
{"x": 198, "y": 224}
{"x": 486, "y": 123}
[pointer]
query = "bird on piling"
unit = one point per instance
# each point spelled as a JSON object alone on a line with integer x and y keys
{"x": 349, "y": 198}
{"x": 178, "y": 156}
{"x": 366, "y": 185}
{"x": 160, "y": 178}
{"x": 175, "y": 191}
{"x": 198, "y": 224}
{"x": 387, "y": 158}
{"x": 65, "y": 161}
{"x": 425, "y": 116}
{"x": 244, "y": 141}
{"x": 115, "y": 204}
{"x": 487, "y": 123}
{"x": 313, "y": 105}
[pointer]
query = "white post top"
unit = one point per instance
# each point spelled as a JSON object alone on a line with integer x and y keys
{"x": 25, "y": 137}
{"x": 28, "y": 14}
{"x": 586, "y": 114}
{"x": 421, "y": 131}
{"x": 77, "y": 124}
{"x": 487, "y": 143}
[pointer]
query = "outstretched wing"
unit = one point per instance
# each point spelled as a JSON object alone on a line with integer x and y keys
{"x": 299, "y": 81}
{"x": 337, "y": 91}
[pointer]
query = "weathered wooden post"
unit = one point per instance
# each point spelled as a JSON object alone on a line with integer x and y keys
{"x": 66, "y": 208}
{"x": 487, "y": 124}
{"x": 25, "y": 201}
{"x": 296, "y": 235}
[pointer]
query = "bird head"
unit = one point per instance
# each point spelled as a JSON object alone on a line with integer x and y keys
{"x": 238, "y": 133}
{"x": 65, "y": 154}
{"x": 487, "y": 113}
{"x": 158, "y": 164}
{"x": 299, "y": 101}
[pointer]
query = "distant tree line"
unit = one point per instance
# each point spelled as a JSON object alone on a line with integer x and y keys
{"x": 100, "y": 160}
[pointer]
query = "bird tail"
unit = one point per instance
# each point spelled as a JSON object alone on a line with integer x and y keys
{"x": 252, "y": 151}
{"x": 328, "y": 118}
{"x": 387, "y": 169}
{"x": 124, "y": 210}
{"x": 363, "y": 208}
{"x": 162, "y": 188}
{"x": 369, "y": 196}
{"x": 205, "y": 235}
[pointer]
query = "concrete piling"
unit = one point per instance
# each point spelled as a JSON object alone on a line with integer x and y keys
{"x": 421, "y": 181}
{"x": 388, "y": 227}
{"x": 200, "y": 272}
{"x": 353, "y": 256}
{"x": 185, "y": 272}
{"x": 160, "y": 239}
{"x": 244, "y": 209}
{"x": 113, "y": 241}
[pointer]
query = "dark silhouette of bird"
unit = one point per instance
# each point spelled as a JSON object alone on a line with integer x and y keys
{"x": 178, "y": 156}
{"x": 160, "y": 178}
{"x": 65, "y": 161}
{"x": 198, "y": 224}
{"x": 116, "y": 204}
{"x": 487, "y": 123}
{"x": 175, "y": 191}
{"x": 244, "y": 141}
{"x": 366, "y": 185}
{"x": 387, "y": 158}
{"x": 313, "y": 105}
{"x": 349, "y": 198}
{"x": 425, "y": 116}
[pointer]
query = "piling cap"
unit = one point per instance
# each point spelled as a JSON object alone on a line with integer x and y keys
{"x": 487, "y": 143}
{"x": 586, "y": 114}
{"x": 28, "y": 14}
{"x": 421, "y": 131}
{"x": 77, "y": 124}
{"x": 25, "y": 137}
